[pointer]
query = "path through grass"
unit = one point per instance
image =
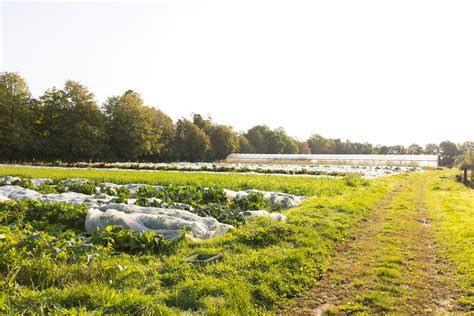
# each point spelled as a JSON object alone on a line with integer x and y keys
{"x": 400, "y": 259}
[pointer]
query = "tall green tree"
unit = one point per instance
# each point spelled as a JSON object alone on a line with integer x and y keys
{"x": 245, "y": 146}
{"x": 191, "y": 143}
{"x": 431, "y": 149}
{"x": 203, "y": 123}
{"x": 414, "y": 149}
{"x": 303, "y": 148}
{"x": 257, "y": 137}
{"x": 224, "y": 141}
{"x": 396, "y": 150}
{"x": 165, "y": 124}
{"x": 291, "y": 145}
{"x": 72, "y": 126}
{"x": 132, "y": 128}
{"x": 447, "y": 153}
{"x": 274, "y": 142}
{"x": 16, "y": 117}
{"x": 466, "y": 147}
{"x": 319, "y": 145}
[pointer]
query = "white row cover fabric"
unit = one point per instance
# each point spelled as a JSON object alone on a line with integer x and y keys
{"x": 274, "y": 216}
{"x": 131, "y": 187}
{"x": 15, "y": 192}
{"x": 277, "y": 199}
{"x": 171, "y": 223}
{"x": 380, "y": 160}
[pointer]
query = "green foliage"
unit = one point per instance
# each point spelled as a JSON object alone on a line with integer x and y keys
{"x": 71, "y": 124}
{"x": 268, "y": 233}
{"x": 125, "y": 240}
{"x": 307, "y": 186}
{"x": 43, "y": 216}
{"x": 447, "y": 153}
{"x": 224, "y": 141}
{"x": 453, "y": 207}
{"x": 24, "y": 183}
{"x": 50, "y": 264}
{"x": 16, "y": 116}
{"x": 85, "y": 188}
{"x": 121, "y": 193}
{"x": 254, "y": 201}
{"x": 47, "y": 189}
{"x": 133, "y": 129}
{"x": 191, "y": 143}
{"x": 245, "y": 146}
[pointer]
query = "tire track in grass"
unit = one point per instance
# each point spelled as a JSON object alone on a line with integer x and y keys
{"x": 390, "y": 266}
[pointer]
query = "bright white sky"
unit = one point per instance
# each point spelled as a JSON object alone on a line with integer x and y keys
{"x": 391, "y": 72}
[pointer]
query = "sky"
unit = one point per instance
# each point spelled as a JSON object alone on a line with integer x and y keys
{"x": 386, "y": 72}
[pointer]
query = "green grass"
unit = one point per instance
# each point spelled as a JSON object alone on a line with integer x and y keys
{"x": 265, "y": 262}
{"x": 453, "y": 218}
{"x": 414, "y": 254}
{"x": 45, "y": 268}
{"x": 308, "y": 186}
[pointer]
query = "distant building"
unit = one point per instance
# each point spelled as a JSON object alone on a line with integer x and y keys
{"x": 373, "y": 160}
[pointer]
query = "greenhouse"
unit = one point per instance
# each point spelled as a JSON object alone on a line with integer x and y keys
{"x": 377, "y": 160}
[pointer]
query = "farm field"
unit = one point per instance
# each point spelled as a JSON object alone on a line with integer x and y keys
{"x": 311, "y": 169}
{"x": 401, "y": 243}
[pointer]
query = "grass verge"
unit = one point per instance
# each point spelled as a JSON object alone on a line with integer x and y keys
{"x": 265, "y": 262}
{"x": 453, "y": 219}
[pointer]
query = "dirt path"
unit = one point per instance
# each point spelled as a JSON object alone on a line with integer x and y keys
{"x": 390, "y": 266}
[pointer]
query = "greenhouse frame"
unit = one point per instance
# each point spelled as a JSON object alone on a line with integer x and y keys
{"x": 430, "y": 161}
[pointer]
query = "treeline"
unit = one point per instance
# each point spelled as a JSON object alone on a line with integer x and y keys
{"x": 68, "y": 124}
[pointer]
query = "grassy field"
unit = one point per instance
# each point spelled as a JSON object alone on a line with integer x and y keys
{"x": 265, "y": 262}
{"x": 452, "y": 206}
{"x": 414, "y": 254}
{"x": 308, "y": 186}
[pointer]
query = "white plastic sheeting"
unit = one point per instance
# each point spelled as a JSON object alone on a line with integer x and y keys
{"x": 274, "y": 216}
{"x": 131, "y": 187}
{"x": 77, "y": 198}
{"x": 8, "y": 180}
{"x": 171, "y": 223}
{"x": 363, "y": 165}
{"x": 277, "y": 199}
{"x": 15, "y": 192}
{"x": 40, "y": 181}
{"x": 378, "y": 160}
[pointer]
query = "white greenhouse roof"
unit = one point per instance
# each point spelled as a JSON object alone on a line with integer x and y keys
{"x": 421, "y": 160}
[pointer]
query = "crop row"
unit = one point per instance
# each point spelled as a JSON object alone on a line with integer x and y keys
{"x": 284, "y": 169}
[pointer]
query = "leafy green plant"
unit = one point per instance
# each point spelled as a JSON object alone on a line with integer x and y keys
{"x": 126, "y": 240}
{"x": 46, "y": 189}
{"x": 85, "y": 188}
{"x": 253, "y": 201}
{"x": 24, "y": 183}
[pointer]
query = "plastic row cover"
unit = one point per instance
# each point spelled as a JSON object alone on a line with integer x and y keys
{"x": 171, "y": 223}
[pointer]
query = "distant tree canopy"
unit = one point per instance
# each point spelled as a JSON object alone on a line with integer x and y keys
{"x": 133, "y": 129}
{"x": 68, "y": 124}
{"x": 191, "y": 143}
{"x": 16, "y": 116}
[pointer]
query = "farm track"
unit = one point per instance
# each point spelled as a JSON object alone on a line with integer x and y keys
{"x": 392, "y": 265}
